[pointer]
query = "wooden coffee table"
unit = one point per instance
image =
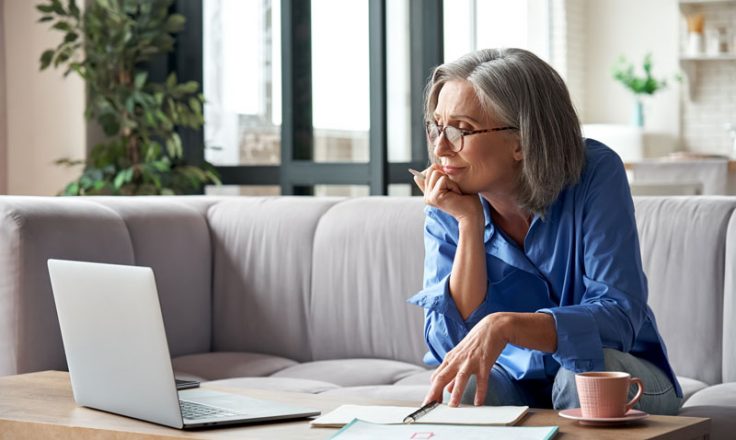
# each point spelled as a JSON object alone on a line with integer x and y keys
{"x": 41, "y": 406}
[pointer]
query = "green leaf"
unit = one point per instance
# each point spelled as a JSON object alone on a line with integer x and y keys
{"x": 140, "y": 79}
{"x": 74, "y": 9}
{"x": 188, "y": 87}
{"x": 175, "y": 23}
{"x": 45, "y": 18}
{"x": 57, "y": 7}
{"x": 46, "y": 9}
{"x": 171, "y": 80}
{"x": 46, "y": 58}
{"x": 71, "y": 37}
{"x": 119, "y": 179}
{"x": 72, "y": 189}
{"x": 62, "y": 26}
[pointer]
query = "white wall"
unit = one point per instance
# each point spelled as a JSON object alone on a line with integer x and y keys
{"x": 3, "y": 140}
{"x": 633, "y": 28}
{"x": 45, "y": 118}
{"x": 3, "y": 116}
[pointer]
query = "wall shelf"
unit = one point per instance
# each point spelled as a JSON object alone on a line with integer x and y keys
{"x": 724, "y": 57}
{"x": 689, "y": 63}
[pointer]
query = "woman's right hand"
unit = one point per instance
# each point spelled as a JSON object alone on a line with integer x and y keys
{"x": 441, "y": 192}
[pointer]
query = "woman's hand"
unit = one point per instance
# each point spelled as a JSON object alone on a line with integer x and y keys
{"x": 441, "y": 192}
{"x": 474, "y": 355}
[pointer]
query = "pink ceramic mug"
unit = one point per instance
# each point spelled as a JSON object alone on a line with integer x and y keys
{"x": 603, "y": 394}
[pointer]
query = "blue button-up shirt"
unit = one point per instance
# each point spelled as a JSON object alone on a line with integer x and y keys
{"x": 580, "y": 263}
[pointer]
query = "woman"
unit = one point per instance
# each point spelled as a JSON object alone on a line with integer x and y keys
{"x": 532, "y": 265}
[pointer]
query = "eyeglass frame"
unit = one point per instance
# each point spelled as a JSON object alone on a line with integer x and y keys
{"x": 463, "y": 133}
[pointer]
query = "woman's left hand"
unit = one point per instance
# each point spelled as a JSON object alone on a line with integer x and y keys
{"x": 474, "y": 355}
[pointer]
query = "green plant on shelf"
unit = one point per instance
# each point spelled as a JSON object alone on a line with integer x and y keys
{"x": 107, "y": 45}
{"x": 640, "y": 85}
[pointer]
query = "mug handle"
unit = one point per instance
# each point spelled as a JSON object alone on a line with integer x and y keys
{"x": 639, "y": 392}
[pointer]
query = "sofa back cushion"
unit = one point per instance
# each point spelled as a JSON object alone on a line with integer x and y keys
{"x": 171, "y": 236}
{"x": 683, "y": 241}
{"x": 262, "y": 269}
{"x": 368, "y": 259}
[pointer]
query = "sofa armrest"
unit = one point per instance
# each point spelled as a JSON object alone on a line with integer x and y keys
{"x": 32, "y": 230}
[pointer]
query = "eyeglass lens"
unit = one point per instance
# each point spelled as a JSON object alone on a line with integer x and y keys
{"x": 452, "y": 134}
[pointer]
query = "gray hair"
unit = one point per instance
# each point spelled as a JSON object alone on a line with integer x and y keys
{"x": 525, "y": 92}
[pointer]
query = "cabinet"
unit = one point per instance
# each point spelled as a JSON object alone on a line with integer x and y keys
{"x": 719, "y": 15}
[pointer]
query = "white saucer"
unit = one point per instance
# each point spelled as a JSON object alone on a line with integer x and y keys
{"x": 576, "y": 414}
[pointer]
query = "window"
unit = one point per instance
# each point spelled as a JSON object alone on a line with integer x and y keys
{"x": 311, "y": 96}
{"x": 478, "y": 24}
{"x": 242, "y": 81}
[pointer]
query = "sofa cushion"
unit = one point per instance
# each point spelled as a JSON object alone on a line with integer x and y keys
{"x": 223, "y": 365}
{"x": 277, "y": 384}
{"x": 174, "y": 240}
{"x": 683, "y": 245}
{"x": 690, "y": 386}
{"x": 352, "y": 372}
{"x": 411, "y": 393}
{"x": 420, "y": 378}
{"x": 369, "y": 257}
{"x": 719, "y": 395}
{"x": 722, "y": 419}
{"x": 262, "y": 269}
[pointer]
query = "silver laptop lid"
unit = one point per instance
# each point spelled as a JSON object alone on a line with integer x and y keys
{"x": 114, "y": 340}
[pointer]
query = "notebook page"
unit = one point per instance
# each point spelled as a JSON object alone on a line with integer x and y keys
{"x": 442, "y": 414}
{"x": 370, "y": 413}
{"x": 475, "y": 415}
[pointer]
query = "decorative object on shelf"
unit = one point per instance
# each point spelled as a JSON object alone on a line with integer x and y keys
{"x": 695, "y": 24}
{"x": 731, "y": 129}
{"x": 106, "y": 45}
{"x": 623, "y": 71}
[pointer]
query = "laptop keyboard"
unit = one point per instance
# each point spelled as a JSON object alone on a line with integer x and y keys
{"x": 194, "y": 411}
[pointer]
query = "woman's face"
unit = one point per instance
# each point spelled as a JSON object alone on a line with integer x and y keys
{"x": 488, "y": 162}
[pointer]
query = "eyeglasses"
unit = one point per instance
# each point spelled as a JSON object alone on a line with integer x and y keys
{"x": 454, "y": 135}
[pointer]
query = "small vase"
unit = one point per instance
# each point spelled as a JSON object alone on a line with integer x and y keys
{"x": 638, "y": 115}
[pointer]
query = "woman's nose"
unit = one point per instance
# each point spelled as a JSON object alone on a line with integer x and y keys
{"x": 442, "y": 147}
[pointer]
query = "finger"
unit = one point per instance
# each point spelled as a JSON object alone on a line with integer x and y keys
{"x": 461, "y": 381}
{"x": 450, "y": 386}
{"x": 432, "y": 179}
{"x": 452, "y": 186}
{"x": 420, "y": 183}
{"x": 481, "y": 388}
{"x": 434, "y": 394}
{"x": 441, "y": 188}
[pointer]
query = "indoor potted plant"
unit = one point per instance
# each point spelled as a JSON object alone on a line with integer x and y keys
{"x": 624, "y": 72}
{"x": 106, "y": 44}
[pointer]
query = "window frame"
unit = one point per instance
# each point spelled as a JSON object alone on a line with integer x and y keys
{"x": 298, "y": 173}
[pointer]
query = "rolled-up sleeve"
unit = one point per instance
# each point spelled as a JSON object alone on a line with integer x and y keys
{"x": 612, "y": 308}
{"x": 444, "y": 327}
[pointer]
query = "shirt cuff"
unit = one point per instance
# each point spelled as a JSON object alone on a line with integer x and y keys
{"x": 579, "y": 346}
{"x": 438, "y": 299}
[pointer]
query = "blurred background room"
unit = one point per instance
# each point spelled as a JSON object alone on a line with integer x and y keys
{"x": 324, "y": 97}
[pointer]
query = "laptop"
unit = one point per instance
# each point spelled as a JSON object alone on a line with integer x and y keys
{"x": 118, "y": 355}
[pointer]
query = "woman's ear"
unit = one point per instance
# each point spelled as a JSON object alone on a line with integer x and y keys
{"x": 518, "y": 154}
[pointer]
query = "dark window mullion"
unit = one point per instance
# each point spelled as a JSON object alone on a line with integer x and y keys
{"x": 378, "y": 138}
{"x": 188, "y": 65}
{"x": 426, "y": 43}
{"x": 297, "y": 137}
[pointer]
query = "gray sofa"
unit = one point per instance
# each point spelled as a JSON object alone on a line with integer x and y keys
{"x": 308, "y": 294}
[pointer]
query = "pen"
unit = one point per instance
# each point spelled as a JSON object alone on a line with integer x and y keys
{"x": 416, "y": 173}
{"x": 413, "y": 417}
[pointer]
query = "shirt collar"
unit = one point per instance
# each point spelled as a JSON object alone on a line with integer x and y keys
{"x": 499, "y": 246}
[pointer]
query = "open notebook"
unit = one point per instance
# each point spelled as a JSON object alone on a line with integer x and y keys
{"x": 441, "y": 414}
